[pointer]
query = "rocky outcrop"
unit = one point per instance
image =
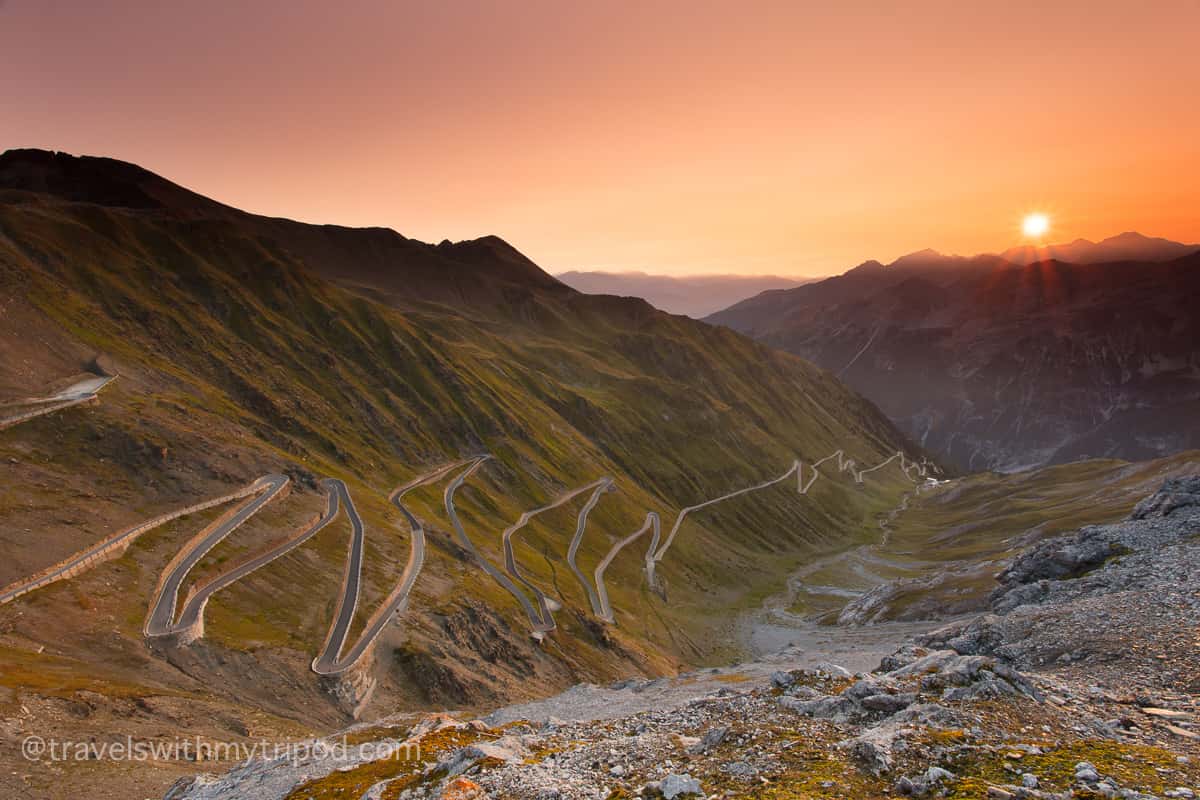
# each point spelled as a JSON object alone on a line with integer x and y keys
{"x": 1091, "y": 595}
{"x": 1176, "y": 495}
{"x": 1058, "y": 559}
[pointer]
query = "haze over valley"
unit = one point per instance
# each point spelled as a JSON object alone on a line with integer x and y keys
{"x": 692, "y": 295}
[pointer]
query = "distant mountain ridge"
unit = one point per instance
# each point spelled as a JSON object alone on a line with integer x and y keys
{"x": 1128, "y": 246}
{"x": 691, "y": 295}
{"x": 998, "y": 361}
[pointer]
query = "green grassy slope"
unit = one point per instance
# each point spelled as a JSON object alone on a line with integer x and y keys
{"x": 238, "y": 358}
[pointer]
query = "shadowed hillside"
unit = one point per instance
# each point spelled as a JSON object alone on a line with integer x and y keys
{"x": 994, "y": 364}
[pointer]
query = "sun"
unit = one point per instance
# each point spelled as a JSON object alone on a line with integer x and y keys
{"x": 1035, "y": 225}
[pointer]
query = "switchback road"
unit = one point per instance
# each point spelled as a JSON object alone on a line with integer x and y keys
{"x": 191, "y": 619}
{"x": 330, "y": 661}
{"x": 510, "y": 562}
{"x": 162, "y": 612}
{"x": 535, "y": 619}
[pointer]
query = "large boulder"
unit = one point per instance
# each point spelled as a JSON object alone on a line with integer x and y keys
{"x": 1060, "y": 558}
{"x": 1175, "y": 494}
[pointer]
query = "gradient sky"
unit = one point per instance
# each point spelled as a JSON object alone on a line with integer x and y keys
{"x": 791, "y": 138}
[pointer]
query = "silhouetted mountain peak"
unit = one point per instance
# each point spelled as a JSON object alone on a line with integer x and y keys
{"x": 102, "y": 181}
{"x": 919, "y": 255}
{"x": 373, "y": 258}
{"x": 1127, "y": 246}
{"x": 926, "y": 258}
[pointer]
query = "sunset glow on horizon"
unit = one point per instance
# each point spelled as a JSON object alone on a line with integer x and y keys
{"x": 1035, "y": 225}
{"x": 777, "y": 138}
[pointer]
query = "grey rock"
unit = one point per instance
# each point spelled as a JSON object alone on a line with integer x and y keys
{"x": 1175, "y": 494}
{"x": 740, "y": 769}
{"x": 826, "y": 707}
{"x": 930, "y": 714}
{"x": 714, "y": 736}
{"x": 504, "y": 749}
{"x": 906, "y": 655}
{"x": 832, "y": 670}
{"x": 675, "y": 785}
{"x": 782, "y": 680}
{"x": 1086, "y": 773}
{"x": 986, "y": 689}
{"x": 888, "y": 703}
{"x": 936, "y": 775}
{"x": 933, "y": 662}
{"x": 1058, "y": 559}
{"x": 866, "y": 687}
{"x": 975, "y": 676}
{"x": 978, "y": 636}
{"x": 871, "y": 756}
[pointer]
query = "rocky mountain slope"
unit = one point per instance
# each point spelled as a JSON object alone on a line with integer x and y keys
{"x": 248, "y": 346}
{"x": 1004, "y": 364}
{"x": 693, "y": 295}
{"x": 1081, "y": 682}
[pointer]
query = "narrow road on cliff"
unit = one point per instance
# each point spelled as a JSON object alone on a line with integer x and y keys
{"x": 84, "y": 391}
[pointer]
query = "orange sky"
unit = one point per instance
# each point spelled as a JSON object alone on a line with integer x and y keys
{"x": 791, "y": 138}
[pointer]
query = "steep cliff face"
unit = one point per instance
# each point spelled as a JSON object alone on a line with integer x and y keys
{"x": 994, "y": 365}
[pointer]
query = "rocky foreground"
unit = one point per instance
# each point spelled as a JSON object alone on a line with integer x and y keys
{"x": 1082, "y": 682}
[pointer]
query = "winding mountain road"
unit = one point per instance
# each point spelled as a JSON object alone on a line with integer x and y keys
{"x": 162, "y": 611}
{"x": 539, "y": 612}
{"x": 572, "y": 551}
{"x": 535, "y": 619}
{"x": 191, "y": 619}
{"x": 334, "y": 657}
{"x": 84, "y": 391}
{"x": 598, "y": 487}
{"x": 797, "y": 468}
{"x": 652, "y": 523}
{"x": 330, "y": 661}
{"x": 116, "y": 544}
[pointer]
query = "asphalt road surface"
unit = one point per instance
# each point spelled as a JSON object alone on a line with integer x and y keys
{"x": 510, "y": 561}
{"x": 193, "y": 609}
{"x": 331, "y": 661}
{"x": 81, "y": 392}
{"x": 162, "y": 614}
